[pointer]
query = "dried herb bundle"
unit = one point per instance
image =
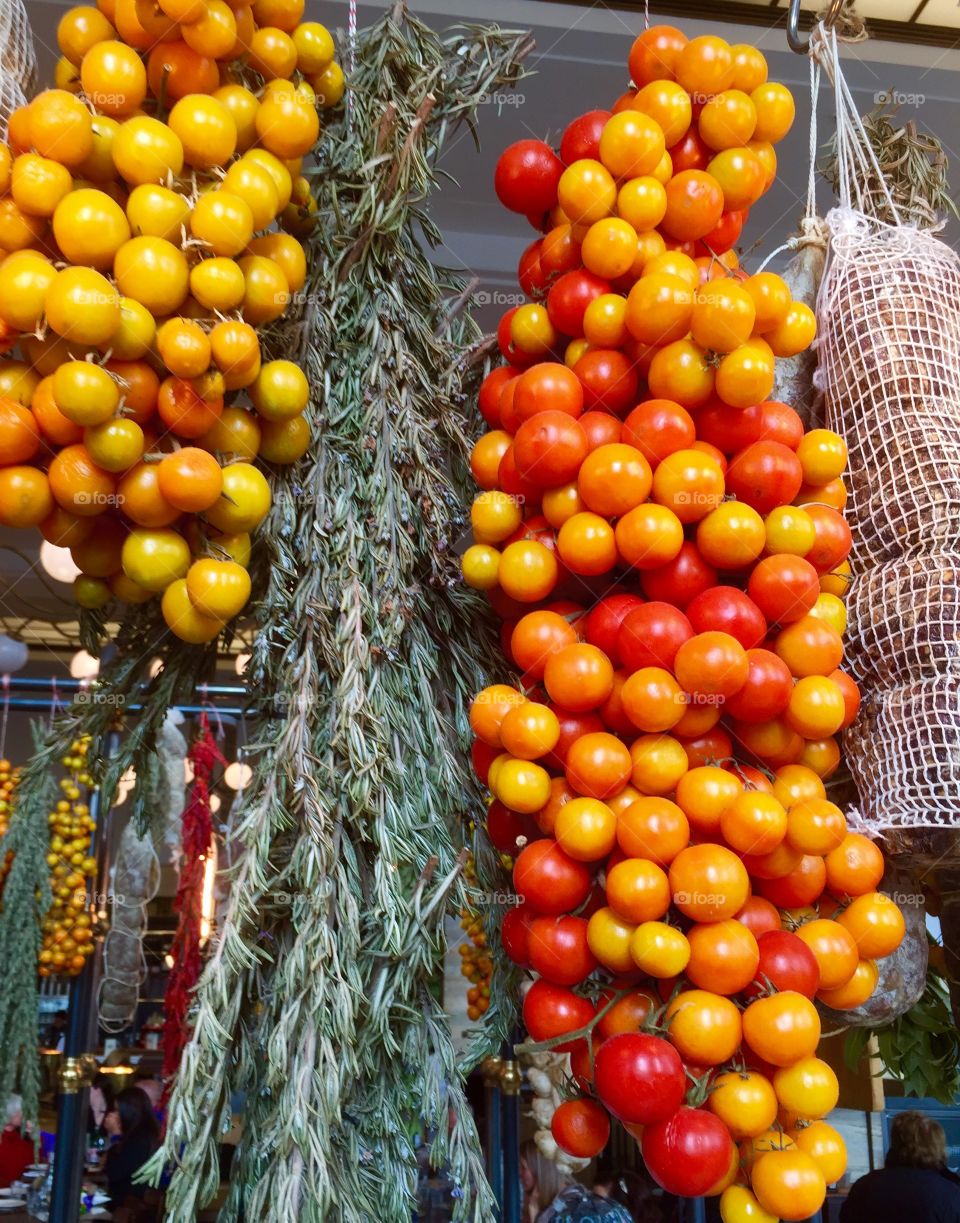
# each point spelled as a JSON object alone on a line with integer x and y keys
{"x": 315, "y": 1004}
{"x": 914, "y": 167}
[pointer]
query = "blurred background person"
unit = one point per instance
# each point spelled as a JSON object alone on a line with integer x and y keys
{"x": 16, "y": 1150}
{"x": 914, "y": 1183}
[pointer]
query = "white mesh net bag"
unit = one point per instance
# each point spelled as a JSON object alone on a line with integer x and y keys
{"x": 18, "y": 60}
{"x": 905, "y": 755}
{"x": 888, "y": 316}
{"x": 904, "y": 620}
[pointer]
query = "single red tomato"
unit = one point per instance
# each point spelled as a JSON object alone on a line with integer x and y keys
{"x": 482, "y": 755}
{"x": 780, "y": 423}
{"x": 680, "y": 580}
{"x": 582, "y": 137}
{"x": 659, "y": 427}
{"x": 548, "y": 880}
{"x": 558, "y": 949}
{"x": 569, "y": 297}
{"x": 639, "y": 1078}
{"x": 548, "y": 386}
{"x": 711, "y": 746}
{"x": 601, "y": 428}
{"x": 786, "y": 962}
{"x": 784, "y": 587}
{"x": 610, "y": 382}
{"x": 725, "y": 234}
{"x": 765, "y": 475}
{"x": 760, "y": 916}
{"x": 802, "y": 886}
{"x": 690, "y": 153}
{"x": 832, "y": 540}
{"x": 527, "y": 176}
{"x": 553, "y": 1010}
{"x": 515, "y": 934}
{"x": 488, "y": 400}
{"x": 581, "y": 1128}
{"x": 601, "y": 626}
{"x": 548, "y": 449}
{"x": 506, "y": 827}
{"x": 728, "y": 610}
{"x": 729, "y": 429}
{"x": 650, "y": 636}
{"x": 766, "y": 691}
{"x": 687, "y": 1153}
{"x": 531, "y": 273}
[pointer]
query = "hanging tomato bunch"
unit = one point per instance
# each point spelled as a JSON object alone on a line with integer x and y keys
{"x": 667, "y": 549}
{"x": 67, "y": 928}
{"x": 145, "y": 205}
{"x": 475, "y": 962}
{"x": 9, "y": 776}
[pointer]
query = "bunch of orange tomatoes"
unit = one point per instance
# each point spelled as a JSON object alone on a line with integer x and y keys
{"x": 9, "y": 776}
{"x": 666, "y": 547}
{"x": 475, "y": 962}
{"x": 146, "y": 210}
{"x": 68, "y": 937}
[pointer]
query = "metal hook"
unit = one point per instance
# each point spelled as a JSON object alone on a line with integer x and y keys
{"x": 801, "y": 45}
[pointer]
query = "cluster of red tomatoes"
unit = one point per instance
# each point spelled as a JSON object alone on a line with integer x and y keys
{"x": 667, "y": 549}
{"x": 148, "y": 212}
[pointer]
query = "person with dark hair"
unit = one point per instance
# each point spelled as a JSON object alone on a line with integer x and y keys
{"x": 914, "y": 1182}
{"x": 552, "y": 1196}
{"x": 632, "y": 1191}
{"x": 134, "y": 1121}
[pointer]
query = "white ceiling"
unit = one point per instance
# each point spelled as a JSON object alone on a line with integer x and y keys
{"x": 579, "y": 63}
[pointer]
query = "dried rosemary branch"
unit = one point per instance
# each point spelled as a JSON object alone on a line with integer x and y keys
{"x": 914, "y": 167}
{"x": 315, "y": 1003}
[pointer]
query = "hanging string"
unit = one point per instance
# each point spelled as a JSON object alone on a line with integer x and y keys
{"x": 646, "y": 14}
{"x": 857, "y": 164}
{"x": 205, "y": 704}
{"x": 5, "y": 680}
{"x": 812, "y": 173}
{"x": 54, "y": 698}
{"x": 351, "y": 52}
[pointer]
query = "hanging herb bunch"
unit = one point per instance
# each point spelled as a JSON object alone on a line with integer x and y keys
{"x": 920, "y": 1049}
{"x": 316, "y": 1002}
{"x": 914, "y": 170}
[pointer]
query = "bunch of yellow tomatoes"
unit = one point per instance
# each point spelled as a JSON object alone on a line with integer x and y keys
{"x": 149, "y": 206}
{"x": 8, "y": 785}
{"x": 475, "y": 962}
{"x": 666, "y": 547}
{"x": 68, "y": 937}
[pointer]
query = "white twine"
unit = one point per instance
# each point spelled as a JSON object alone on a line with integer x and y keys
{"x": 810, "y": 215}
{"x": 351, "y": 52}
{"x": 855, "y": 156}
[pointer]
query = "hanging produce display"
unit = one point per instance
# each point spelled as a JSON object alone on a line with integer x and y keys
{"x": 138, "y": 205}
{"x": 135, "y": 880}
{"x": 316, "y": 1001}
{"x": 146, "y": 396}
{"x": 664, "y": 544}
{"x": 67, "y": 928}
{"x": 196, "y": 846}
{"x": 890, "y": 368}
